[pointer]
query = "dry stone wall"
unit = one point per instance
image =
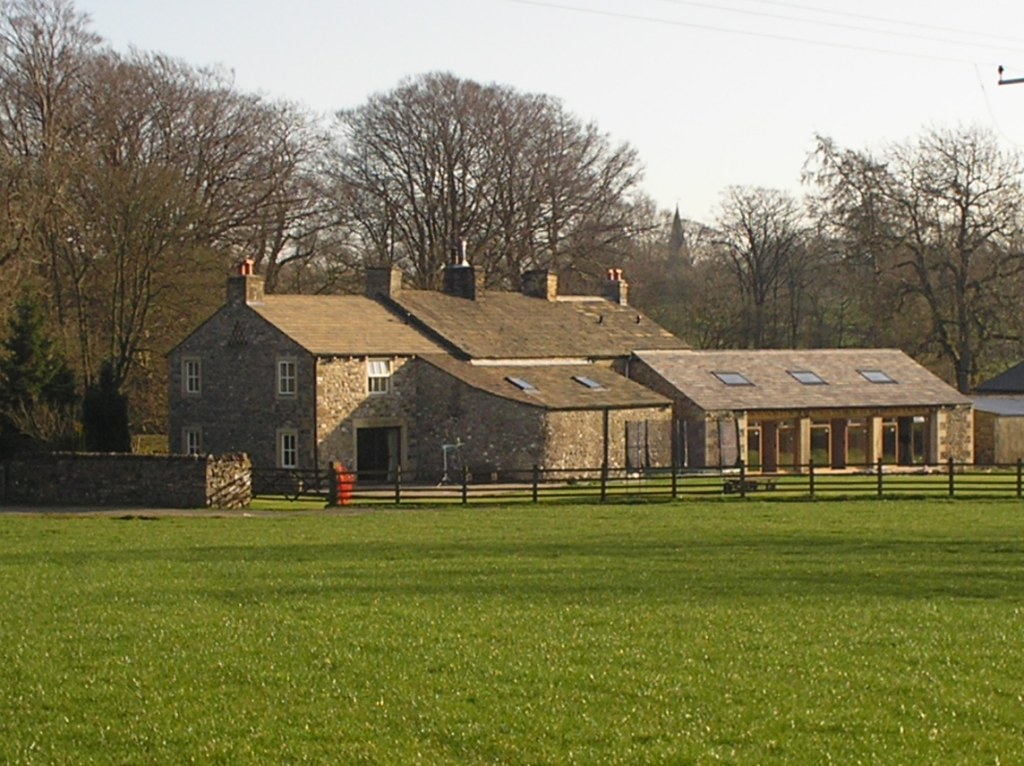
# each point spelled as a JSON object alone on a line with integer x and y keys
{"x": 145, "y": 481}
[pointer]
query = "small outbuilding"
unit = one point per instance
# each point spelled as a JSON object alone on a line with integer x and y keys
{"x": 999, "y": 418}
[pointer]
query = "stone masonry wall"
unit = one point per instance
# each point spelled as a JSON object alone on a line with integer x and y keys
{"x": 146, "y": 481}
{"x": 238, "y": 408}
{"x": 497, "y": 435}
{"x": 343, "y": 406}
{"x": 575, "y": 438}
{"x": 956, "y": 434}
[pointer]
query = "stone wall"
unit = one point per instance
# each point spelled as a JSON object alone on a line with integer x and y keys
{"x": 497, "y": 435}
{"x": 145, "y": 481}
{"x": 344, "y": 406}
{"x": 575, "y": 438}
{"x": 238, "y": 408}
{"x": 956, "y": 434}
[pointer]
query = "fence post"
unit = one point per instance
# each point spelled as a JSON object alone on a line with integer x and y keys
{"x": 1020, "y": 487}
{"x": 951, "y": 480}
{"x": 810, "y": 477}
{"x": 879, "y": 470}
{"x": 536, "y": 483}
{"x": 333, "y": 490}
{"x": 604, "y": 481}
{"x": 465, "y": 484}
{"x": 675, "y": 481}
{"x": 743, "y": 478}
{"x": 398, "y": 484}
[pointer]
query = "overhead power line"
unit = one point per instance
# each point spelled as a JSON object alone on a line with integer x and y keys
{"x": 768, "y": 35}
{"x": 882, "y": 20}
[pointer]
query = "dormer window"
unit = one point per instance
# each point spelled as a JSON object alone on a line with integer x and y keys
{"x": 378, "y": 376}
{"x": 807, "y": 378}
{"x": 876, "y": 376}
{"x": 732, "y": 378}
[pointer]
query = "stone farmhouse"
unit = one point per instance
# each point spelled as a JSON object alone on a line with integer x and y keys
{"x": 502, "y": 381}
{"x": 836, "y": 407}
{"x": 498, "y": 381}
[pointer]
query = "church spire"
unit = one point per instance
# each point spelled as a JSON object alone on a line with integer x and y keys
{"x": 677, "y": 240}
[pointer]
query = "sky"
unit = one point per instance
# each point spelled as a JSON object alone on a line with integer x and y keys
{"x": 711, "y": 94}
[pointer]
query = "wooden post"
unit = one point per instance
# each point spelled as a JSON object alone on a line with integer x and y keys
{"x": 536, "y": 483}
{"x": 604, "y": 460}
{"x": 333, "y": 491}
{"x": 1020, "y": 476}
{"x": 810, "y": 476}
{"x": 675, "y": 481}
{"x": 879, "y": 469}
{"x": 952, "y": 489}
{"x": 465, "y": 484}
{"x": 743, "y": 478}
{"x": 398, "y": 484}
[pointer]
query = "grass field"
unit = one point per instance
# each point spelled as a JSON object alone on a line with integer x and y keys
{"x": 690, "y": 633}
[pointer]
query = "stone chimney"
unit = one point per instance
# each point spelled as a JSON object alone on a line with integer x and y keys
{"x": 616, "y": 289}
{"x": 460, "y": 279}
{"x": 383, "y": 282}
{"x": 245, "y": 287}
{"x": 540, "y": 283}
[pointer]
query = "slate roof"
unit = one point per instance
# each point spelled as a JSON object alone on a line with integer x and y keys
{"x": 999, "y": 406}
{"x": 554, "y": 385}
{"x": 342, "y": 325}
{"x": 507, "y": 325}
{"x": 774, "y": 388}
{"x": 1009, "y": 382}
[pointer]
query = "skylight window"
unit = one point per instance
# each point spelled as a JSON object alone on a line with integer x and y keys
{"x": 876, "y": 376}
{"x": 732, "y": 378}
{"x": 807, "y": 377}
{"x": 522, "y": 384}
{"x": 590, "y": 383}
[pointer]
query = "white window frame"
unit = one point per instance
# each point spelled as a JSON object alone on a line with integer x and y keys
{"x": 287, "y": 376}
{"x": 191, "y": 376}
{"x": 287, "y": 448}
{"x": 192, "y": 440}
{"x": 378, "y": 376}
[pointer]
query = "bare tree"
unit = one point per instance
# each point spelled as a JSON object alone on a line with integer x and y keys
{"x": 939, "y": 219}
{"x": 761, "y": 237}
{"x": 526, "y": 184}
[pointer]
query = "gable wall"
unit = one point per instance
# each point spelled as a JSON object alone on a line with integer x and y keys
{"x": 238, "y": 409}
{"x": 701, "y": 441}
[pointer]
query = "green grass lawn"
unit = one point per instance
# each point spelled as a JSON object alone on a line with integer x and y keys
{"x": 746, "y": 633}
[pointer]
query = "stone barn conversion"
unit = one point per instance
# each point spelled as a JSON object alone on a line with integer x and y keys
{"x": 783, "y": 409}
{"x": 401, "y": 377}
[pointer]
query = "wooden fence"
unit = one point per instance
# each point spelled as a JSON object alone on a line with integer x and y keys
{"x": 803, "y": 482}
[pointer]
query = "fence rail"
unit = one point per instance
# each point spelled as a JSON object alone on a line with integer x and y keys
{"x": 798, "y": 481}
